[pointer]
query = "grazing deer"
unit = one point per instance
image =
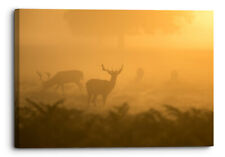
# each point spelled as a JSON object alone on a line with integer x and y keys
{"x": 97, "y": 87}
{"x": 61, "y": 78}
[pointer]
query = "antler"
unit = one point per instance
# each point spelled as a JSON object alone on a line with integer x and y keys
{"x": 103, "y": 68}
{"x": 39, "y": 74}
{"x": 48, "y": 74}
{"x": 112, "y": 71}
{"x": 119, "y": 71}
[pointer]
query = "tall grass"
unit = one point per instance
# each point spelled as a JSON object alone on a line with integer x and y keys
{"x": 52, "y": 125}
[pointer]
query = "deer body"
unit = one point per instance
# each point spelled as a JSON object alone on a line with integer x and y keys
{"x": 63, "y": 77}
{"x": 97, "y": 87}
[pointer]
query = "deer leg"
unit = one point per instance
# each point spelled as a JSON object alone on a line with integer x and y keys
{"x": 57, "y": 87}
{"x": 62, "y": 87}
{"x": 79, "y": 85}
{"x": 94, "y": 99}
{"x": 104, "y": 98}
{"x": 89, "y": 98}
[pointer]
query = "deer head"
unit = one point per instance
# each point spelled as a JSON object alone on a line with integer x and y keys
{"x": 44, "y": 81}
{"x": 41, "y": 76}
{"x": 113, "y": 73}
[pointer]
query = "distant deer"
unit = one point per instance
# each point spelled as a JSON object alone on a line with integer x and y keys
{"x": 61, "y": 78}
{"x": 97, "y": 87}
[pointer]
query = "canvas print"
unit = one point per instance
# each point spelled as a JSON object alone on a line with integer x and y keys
{"x": 113, "y": 78}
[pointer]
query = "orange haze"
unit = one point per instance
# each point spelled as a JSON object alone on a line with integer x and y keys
{"x": 159, "y": 42}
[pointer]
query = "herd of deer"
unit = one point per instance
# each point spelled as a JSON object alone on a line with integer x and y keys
{"x": 94, "y": 87}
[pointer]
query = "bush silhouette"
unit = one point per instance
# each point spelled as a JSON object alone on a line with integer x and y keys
{"x": 51, "y": 125}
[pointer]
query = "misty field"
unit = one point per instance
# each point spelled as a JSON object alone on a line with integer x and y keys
{"x": 133, "y": 116}
{"x": 113, "y": 78}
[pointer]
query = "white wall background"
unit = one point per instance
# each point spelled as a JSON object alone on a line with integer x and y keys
{"x": 6, "y": 65}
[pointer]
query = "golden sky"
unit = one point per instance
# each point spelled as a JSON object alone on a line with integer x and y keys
{"x": 157, "y": 41}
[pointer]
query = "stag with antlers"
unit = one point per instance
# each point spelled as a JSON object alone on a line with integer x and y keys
{"x": 97, "y": 87}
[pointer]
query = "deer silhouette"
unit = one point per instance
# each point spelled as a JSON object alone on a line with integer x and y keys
{"x": 61, "y": 78}
{"x": 97, "y": 87}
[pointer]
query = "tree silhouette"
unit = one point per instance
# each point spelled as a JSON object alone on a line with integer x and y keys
{"x": 125, "y": 22}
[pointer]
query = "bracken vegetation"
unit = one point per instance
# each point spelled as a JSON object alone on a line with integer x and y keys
{"x": 41, "y": 125}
